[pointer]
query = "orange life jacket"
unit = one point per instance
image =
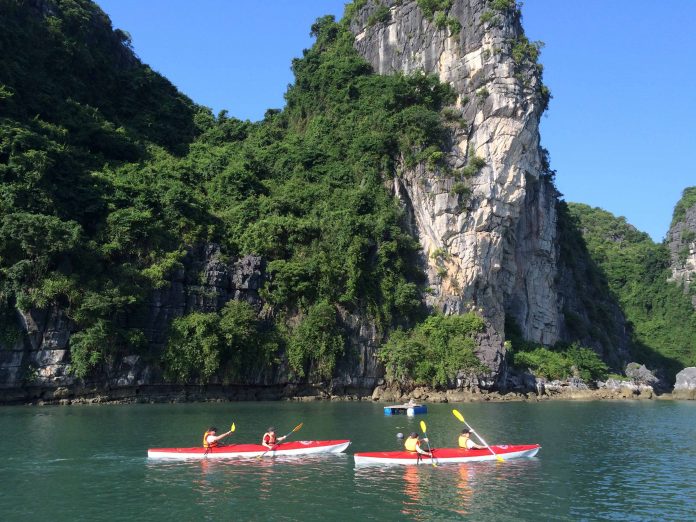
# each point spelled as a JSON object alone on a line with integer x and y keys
{"x": 207, "y": 444}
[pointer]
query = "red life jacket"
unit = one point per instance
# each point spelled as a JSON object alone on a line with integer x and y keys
{"x": 270, "y": 439}
{"x": 207, "y": 444}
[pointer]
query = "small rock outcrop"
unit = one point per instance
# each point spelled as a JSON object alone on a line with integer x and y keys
{"x": 685, "y": 387}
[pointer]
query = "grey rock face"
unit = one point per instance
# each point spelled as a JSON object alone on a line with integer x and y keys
{"x": 500, "y": 244}
{"x": 686, "y": 379}
{"x": 641, "y": 375}
{"x": 681, "y": 240}
{"x": 685, "y": 387}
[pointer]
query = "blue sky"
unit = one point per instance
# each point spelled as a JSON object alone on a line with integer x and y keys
{"x": 621, "y": 128}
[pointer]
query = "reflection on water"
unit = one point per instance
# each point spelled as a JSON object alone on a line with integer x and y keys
{"x": 412, "y": 494}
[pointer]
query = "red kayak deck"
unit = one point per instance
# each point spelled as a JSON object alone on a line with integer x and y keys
{"x": 446, "y": 455}
{"x": 301, "y": 447}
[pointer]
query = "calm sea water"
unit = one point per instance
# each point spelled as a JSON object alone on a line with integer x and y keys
{"x": 599, "y": 461}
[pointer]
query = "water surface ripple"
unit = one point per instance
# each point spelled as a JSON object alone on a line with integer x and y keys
{"x": 599, "y": 461}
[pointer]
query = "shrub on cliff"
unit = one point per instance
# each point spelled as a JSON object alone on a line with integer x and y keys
{"x": 562, "y": 362}
{"x": 434, "y": 351}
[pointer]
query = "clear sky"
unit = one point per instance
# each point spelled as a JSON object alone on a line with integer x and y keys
{"x": 620, "y": 129}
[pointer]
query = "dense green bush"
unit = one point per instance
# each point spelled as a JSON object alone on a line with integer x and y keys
{"x": 316, "y": 342}
{"x": 434, "y": 351}
{"x": 561, "y": 363}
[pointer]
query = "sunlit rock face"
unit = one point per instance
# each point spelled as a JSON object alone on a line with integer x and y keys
{"x": 681, "y": 240}
{"x": 490, "y": 246}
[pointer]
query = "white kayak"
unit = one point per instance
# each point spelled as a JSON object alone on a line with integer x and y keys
{"x": 234, "y": 451}
{"x": 447, "y": 455}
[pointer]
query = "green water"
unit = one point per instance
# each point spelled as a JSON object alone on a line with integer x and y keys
{"x": 599, "y": 461}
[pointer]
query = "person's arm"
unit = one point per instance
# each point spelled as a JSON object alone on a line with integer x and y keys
{"x": 220, "y": 437}
{"x": 421, "y": 450}
{"x": 476, "y": 446}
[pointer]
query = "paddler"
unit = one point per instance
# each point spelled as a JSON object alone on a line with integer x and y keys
{"x": 413, "y": 444}
{"x": 269, "y": 439}
{"x": 465, "y": 441}
{"x": 211, "y": 438}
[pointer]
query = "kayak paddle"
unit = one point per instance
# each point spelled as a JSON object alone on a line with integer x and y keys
{"x": 461, "y": 418}
{"x": 425, "y": 432}
{"x": 296, "y": 428}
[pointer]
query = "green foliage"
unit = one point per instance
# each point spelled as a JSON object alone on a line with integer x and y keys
{"x": 559, "y": 362}
{"x": 352, "y": 9}
{"x": 454, "y": 25}
{"x": 687, "y": 201}
{"x": 637, "y": 272}
{"x": 109, "y": 176}
{"x": 316, "y": 342}
{"x": 194, "y": 348}
{"x": 430, "y": 7}
{"x": 232, "y": 344}
{"x": 573, "y": 361}
{"x": 503, "y": 5}
{"x": 460, "y": 189}
{"x": 93, "y": 345}
{"x": 381, "y": 15}
{"x": 482, "y": 94}
{"x": 489, "y": 16}
{"x": 433, "y": 352}
{"x": 526, "y": 52}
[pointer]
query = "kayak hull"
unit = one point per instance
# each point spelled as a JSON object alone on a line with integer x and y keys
{"x": 235, "y": 451}
{"x": 446, "y": 455}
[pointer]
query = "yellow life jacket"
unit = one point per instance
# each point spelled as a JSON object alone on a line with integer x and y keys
{"x": 205, "y": 440}
{"x": 411, "y": 444}
{"x": 462, "y": 442}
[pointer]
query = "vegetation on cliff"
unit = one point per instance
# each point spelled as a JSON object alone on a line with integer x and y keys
{"x": 637, "y": 272}
{"x": 110, "y": 176}
{"x": 106, "y": 188}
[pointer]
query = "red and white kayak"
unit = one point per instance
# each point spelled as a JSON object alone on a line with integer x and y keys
{"x": 234, "y": 451}
{"x": 446, "y": 455}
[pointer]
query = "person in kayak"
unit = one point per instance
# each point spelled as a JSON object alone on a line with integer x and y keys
{"x": 465, "y": 441}
{"x": 211, "y": 438}
{"x": 413, "y": 444}
{"x": 269, "y": 439}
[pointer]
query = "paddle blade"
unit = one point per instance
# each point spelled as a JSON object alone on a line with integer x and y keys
{"x": 423, "y": 427}
{"x": 500, "y": 459}
{"x": 297, "y": 427}
{"x": 233, "y": 427}
{"x": 458, "y": 415}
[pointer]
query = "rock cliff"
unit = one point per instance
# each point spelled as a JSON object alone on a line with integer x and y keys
{"x": 493, "y": 243}
{"x": 487, "y": 218}
{"x": 681, "y": 240}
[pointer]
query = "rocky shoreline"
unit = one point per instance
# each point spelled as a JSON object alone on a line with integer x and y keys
{"x": 640, "y": 384}
{"x": 161, "y": 394}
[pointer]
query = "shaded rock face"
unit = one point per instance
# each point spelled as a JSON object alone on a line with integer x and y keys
{"x": 498, "y": 245}
{"x": 681, "y": 241}
{"x": 40, "y": 356}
